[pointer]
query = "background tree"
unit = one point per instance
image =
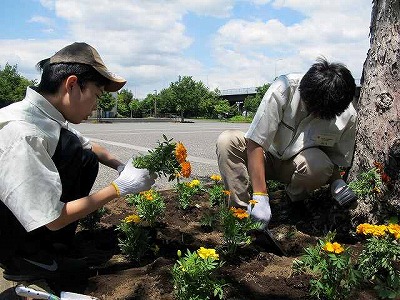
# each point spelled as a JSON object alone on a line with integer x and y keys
{"x": 251, "y": 103}
{"x": 124, "y": 97}
{"x": 378, "y": 128}
{"x": 147, "y": 105}
{"x": 106, "y": 101}
{"x": 222, "y": 108}
{"x": 184, "y": 91}
{"x": 135, "y": 108}
{"x": 12, "y": 85}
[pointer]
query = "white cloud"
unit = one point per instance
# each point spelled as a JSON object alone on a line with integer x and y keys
{"x": 337, "y": 30}
{"x": 146, "y": 41}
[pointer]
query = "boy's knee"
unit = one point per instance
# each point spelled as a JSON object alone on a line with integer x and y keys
{"x": 228, "y": 138}
{"x": 316, "y": 165}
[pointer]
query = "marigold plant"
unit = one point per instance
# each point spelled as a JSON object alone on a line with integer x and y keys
{"x": 168, "y": 159}
{"x": 368, "y": 183}
{"x": 332, "y": 269}
{"x": 194, "y": 275}
{"x": 149, "y": 205}
{"x": 186, "y": 191}
{"x": 379, "y": 260}
{"x": 236, "y": 225}
{"x": 217, "y": 194}
{"x": 134, "y": 240}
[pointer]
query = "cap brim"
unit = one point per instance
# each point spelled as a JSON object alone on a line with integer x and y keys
{"x": 116, "y": 82}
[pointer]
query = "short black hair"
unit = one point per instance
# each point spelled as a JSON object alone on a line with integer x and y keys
{"x": 54, "y": 74}
{"x": 327, "y": 89}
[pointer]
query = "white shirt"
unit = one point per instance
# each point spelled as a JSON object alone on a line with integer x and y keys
{"x": 30, "y": 185}
{"x": 283, "y": 127}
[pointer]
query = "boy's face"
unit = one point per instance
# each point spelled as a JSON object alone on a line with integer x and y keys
{"x": 83, "y": 101}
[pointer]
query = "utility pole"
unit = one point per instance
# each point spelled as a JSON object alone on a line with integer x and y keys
{"x": 155, "y": 103}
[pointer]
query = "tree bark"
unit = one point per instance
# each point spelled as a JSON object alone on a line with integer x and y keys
{"x": 378, "y": 128}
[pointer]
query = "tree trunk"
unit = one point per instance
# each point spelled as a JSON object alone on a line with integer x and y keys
{"x": 182, "y": 117}
{"x": 378, "y": 128}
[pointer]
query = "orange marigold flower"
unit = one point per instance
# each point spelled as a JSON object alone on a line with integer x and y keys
{"x": 227, "y": 193}
{"x": 333, "y": 247}
{"x": 180, "y": 152}
{"x": 395, "y": 230}
{"x": 379, "y": 166}
{"x": 186, "y": 169}
{"x": 239, "y": 213}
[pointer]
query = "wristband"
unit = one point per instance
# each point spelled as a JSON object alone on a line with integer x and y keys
{"x": 116, "y": 188}
{"x": 260, "y": 194}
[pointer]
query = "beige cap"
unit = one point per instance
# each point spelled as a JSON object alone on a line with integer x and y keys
{"x": 85, "y": 54}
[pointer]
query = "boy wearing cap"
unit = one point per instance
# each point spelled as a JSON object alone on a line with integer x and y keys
{"x": 304, "y": 129}
{"x": 48, "y": 168}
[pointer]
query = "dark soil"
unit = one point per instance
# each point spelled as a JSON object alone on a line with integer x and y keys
{"x": 258, "y": 271}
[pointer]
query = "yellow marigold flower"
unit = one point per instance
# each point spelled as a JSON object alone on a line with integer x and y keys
{"x": 364, "y": 228}
{"x": 227, "y": 193}
{"x": 193, "y": 183}
{"x": 239, "y": 213}
{"x": 204, "y": 253}
{"x": 375, "y": 230}
{"x": 395, "y": 230}
{"x": 215, "y": 177}
{"x": 333, "y": 248}
{"x": 376, "y": 190}
{"x": 379, "y": 230}
{"x": 186, "y": 169}
{"x": 148, "y": 195}
{"x": 253, "y": 202}
{"x": 180, "y": 152}
{"x": 132, "y": 218}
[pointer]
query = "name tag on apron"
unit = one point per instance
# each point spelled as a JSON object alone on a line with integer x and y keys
{"x": 326, "y": 139}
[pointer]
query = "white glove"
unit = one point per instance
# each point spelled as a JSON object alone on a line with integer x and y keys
{"x": 120, "y": 168}
{"x": 261, "y": 211}
{"x": 133, "y": 180}
{"x": 342, "y": 194}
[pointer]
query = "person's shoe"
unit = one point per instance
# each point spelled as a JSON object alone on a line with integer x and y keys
{"x": 44, "y": 267}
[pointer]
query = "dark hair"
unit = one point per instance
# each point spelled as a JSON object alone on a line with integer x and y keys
{"x": 54, "y": 74}
{"x": 327, "y": 89}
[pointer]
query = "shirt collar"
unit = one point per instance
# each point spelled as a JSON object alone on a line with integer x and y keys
{"x": 45, "y": 106}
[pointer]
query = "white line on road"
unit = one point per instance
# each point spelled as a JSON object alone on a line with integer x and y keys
{"x": 202, "y": 160}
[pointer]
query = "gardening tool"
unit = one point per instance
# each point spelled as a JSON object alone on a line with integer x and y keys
{"x": 264, "y": 236}
{"x": 24, "y": 291}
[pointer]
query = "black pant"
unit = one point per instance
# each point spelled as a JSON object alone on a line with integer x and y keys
{"x": 78, "y": 170}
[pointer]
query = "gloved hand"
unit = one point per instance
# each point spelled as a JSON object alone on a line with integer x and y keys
{"x": 341, "y": 193}
{"x": 133, "y": 180}
{"x": 120, "y": 168}
{"x": 261, "y": 211}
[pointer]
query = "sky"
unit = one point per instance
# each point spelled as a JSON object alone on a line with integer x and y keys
{"x": 226, "y": 44}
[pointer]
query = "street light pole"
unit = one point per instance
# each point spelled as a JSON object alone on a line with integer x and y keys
{"x": 155, "y": 104}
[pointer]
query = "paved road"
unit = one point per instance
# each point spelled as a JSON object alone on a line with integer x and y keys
{"x": 127, "y": 139}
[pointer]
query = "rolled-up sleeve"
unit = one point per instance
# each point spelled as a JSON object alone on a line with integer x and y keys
{"x": 269, "y": 114}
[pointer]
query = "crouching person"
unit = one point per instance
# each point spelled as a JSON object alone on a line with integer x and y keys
{"x": 48, "y": 168}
